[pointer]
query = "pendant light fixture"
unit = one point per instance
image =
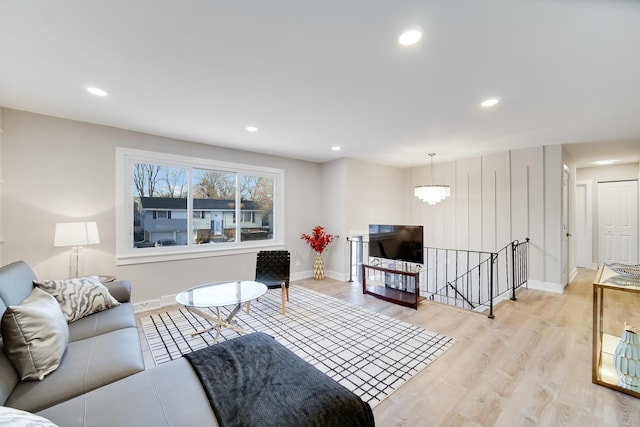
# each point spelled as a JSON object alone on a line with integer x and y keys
{"x": 431, "y": 193}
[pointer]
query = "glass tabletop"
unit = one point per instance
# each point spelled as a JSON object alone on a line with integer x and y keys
{"x": 611, "y": 277}
{"x": 221, "y": 293}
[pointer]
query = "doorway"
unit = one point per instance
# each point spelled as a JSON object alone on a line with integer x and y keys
{"x": 582, "y": 233}
{"x": 356, "y": 255}
{"x": 566, "y": 252}
{"x": 618, "y": 222}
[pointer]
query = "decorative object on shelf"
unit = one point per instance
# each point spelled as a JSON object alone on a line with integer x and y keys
{"x": 625, "y": 269}
{"x": 431, "y": 193}
{"x": 318, "y": 240}
{"x": 76, "y": 234}
{"x": 626, "y": 358}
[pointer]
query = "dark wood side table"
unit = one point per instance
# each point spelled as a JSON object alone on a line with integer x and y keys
{"x": 399, "y": 287}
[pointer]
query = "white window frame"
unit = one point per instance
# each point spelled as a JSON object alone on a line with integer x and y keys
{"x": 126, "y": 254}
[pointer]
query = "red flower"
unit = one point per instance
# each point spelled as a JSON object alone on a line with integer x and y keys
{"x": 318, "y": 240}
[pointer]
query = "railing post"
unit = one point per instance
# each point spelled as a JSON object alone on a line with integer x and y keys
{"x": 349, "y": 242}
{"x": 514, "y": 248}
{"x": 491, "y": 316}
{"x": 526, "y": 262}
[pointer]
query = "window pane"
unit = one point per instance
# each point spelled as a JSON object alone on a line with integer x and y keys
{"x": 214, "y": 195}
{"x": 256, "y": 207}
{"x": 160, "y": 205}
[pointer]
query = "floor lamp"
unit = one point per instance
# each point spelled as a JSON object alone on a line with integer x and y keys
{"x": 77, "y": 235}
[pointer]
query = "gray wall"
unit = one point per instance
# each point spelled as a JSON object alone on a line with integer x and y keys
{"x": 358, "y": 194}
{"x": 57, "y": 170}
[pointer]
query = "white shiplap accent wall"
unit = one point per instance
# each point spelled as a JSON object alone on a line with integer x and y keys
{"x": 468, "y": 194}
{"x": 475, "y": 215}
{"x": 527, "y": 203}
{"x": 552, "y": 247}
{"x": 494, "y": 200}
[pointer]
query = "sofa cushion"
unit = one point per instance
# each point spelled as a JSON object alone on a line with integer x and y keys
{"x": 79, "y": 297}
{"x": 103, "y": 322}
{"x": 8, "y": 375}
{"x": 87, "y": 365}
{"x": 35, "y": 335}
{"x": 169, "y": 395}
{"x": 11, "y": 417}
{"x": 120, "y": 290}
{"x": 16, "y": 282}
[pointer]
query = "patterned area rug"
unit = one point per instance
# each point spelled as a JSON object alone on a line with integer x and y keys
{"x": 369, "y": 353}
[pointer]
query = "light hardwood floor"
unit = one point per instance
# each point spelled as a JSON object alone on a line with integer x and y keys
{"x": 530, "y": 366}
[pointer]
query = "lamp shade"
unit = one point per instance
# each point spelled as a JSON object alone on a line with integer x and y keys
{"x": 76, "y": 234}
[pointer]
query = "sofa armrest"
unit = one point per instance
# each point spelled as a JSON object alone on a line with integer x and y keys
{"x": 120, "y": 290}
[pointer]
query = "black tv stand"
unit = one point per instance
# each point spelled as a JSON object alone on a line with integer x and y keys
{"x": 399, "y": 287}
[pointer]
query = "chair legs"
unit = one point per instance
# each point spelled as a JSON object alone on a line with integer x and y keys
{"x": 285, "y": 297}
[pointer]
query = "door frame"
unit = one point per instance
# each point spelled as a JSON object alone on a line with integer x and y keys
{"x": 566, "y": 226}
{"x": 588, "y": 224}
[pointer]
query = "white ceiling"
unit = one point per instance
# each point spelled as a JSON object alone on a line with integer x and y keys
{"x": 313, "y": 74}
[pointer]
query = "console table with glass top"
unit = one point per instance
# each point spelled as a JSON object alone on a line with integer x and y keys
{"x": 237, "y": 293}
{"x": 616, "y": 298}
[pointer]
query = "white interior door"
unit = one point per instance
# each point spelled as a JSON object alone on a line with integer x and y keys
{"x": 583, "y": 222}
{"x": 618, "y": 222}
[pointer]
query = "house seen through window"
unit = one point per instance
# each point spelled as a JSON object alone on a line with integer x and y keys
{"x": 197, "y": 204}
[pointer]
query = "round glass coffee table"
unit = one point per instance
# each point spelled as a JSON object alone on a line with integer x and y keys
{"x": 236, "y": 293}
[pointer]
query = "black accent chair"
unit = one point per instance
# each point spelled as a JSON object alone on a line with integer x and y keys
{"x": 273, "y": 269}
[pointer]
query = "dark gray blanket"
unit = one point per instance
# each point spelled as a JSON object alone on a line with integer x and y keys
{"x": 255, "y": 381}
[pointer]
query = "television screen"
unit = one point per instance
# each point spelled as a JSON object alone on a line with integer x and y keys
{"x": 396, "y": 242}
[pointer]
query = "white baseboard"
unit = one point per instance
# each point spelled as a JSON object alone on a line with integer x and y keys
{"x": 301, "y": 275}
{"x": 154, "y": 304}
{"x": 573, "y": 274}
{"x": 309, "y": 275}
{"x": 556, "y": 288}
{"x": 140, "y": 307}
{"x": 592, "y": 266}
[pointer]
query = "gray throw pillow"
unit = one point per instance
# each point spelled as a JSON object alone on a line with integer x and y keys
{"x": 79, "y": 297}
{"x": 35, "y": 335}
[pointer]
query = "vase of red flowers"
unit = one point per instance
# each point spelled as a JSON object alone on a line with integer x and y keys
{"x": 318, "y": 240}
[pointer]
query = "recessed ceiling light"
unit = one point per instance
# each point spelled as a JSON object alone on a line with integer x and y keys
{"x": 336, "y": 148}
{"x": 410, "y": 37}
{"x": 490, "y": 102}
{"x": 604, "y": 162}
{"x": 97, "y": 91}
{"x": 251, "y": 129}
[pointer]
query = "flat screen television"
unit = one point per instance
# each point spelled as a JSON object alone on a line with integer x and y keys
{"x": 396, "y": 242}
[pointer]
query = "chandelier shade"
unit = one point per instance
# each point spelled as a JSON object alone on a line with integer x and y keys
{"x": 431, "y": 193}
